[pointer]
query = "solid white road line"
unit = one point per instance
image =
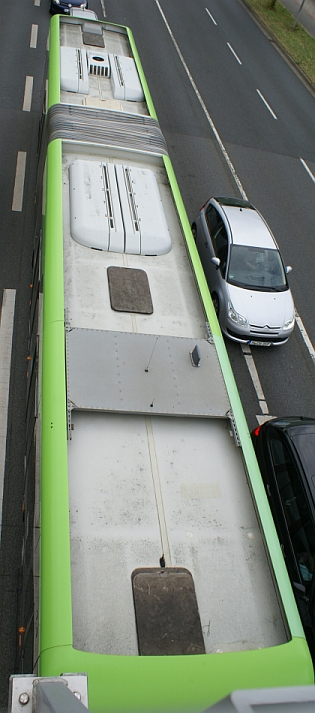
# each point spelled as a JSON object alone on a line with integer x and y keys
{"x": 212, "y": 18}
{"x": 28, "y": 92}
{"x": 17, "y": 202}
{"x": 233, "y": 52}
{"x": 311, "y": 175}
{"x": 37, "y": 2}
{"x": 6, "y": 334}
{"x": 255, "y": 378}
{"x": 34, "y": 31}
{"x": 266, "y": 104}
{"x": 305, "y": 335}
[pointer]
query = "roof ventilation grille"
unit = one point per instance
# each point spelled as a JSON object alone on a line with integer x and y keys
{"x": 98, "y": 64}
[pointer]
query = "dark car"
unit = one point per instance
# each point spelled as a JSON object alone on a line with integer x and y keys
{"x": 64, "y": 6}
{"x": 285, "y": 450}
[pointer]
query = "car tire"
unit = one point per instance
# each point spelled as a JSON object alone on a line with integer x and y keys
{"x": 194, "y": 232}
{"x": 216, "y": 303}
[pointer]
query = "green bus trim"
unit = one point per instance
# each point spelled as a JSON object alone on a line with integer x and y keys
{"x": 146, "y": 684}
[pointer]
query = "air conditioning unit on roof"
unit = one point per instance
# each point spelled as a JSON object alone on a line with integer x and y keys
{"x": 73, "y": 70}
{"x": 125, "y": 79}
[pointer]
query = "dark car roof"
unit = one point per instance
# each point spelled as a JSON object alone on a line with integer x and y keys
{"x": 301, "y": 432}
{"x": 304, "y": 442}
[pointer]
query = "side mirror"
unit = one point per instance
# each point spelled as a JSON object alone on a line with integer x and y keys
{"x": 216, "y": 261}
{"x": 288, "y": 269}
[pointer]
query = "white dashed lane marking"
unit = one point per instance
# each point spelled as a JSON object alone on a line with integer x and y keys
{"x": 211, "y": 16}
{"x": 266, "y": 104}
{"x": 233, "y": 52}
{"x": 34, "y": 32}
{"x": 311, "y": 175}
{"x": 28, "y": 92}
{"x": 6, "y": 335}
{"x": 18, "y": 191}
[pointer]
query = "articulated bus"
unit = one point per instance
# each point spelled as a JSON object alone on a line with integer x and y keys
{"x": 160, "y": 574}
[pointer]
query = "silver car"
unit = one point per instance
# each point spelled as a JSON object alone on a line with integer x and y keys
{"x": 245, "y": 273}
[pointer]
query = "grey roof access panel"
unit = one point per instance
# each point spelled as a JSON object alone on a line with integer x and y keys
{"x": 143, "y": 373}
{"x": 129, "y": 290}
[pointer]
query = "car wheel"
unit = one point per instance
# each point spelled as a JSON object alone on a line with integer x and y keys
{"x": 216, "y": 303}
{"x": 194, "y": 232}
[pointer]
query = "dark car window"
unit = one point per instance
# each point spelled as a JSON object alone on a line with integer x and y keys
{"x": 218, "y": 235}
{"x": 220, "y": 241}
{"x": 213, "y": 219}
{"x": 295, "y": 507}
{"x": 305, "y": 446}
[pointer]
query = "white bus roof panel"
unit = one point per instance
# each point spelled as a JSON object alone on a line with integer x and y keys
{"x": 118, "y": 208}
{"x": 73, "y": 70}
{"x": 155, "y": 235}
{"x": 88, "y": 218}
{"x": 124, "y": 78}
{"x": 116, "y": 224}
{"x": 129, "y": 211}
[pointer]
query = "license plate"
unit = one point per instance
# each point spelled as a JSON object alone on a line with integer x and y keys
{"x": 253, "y": 343}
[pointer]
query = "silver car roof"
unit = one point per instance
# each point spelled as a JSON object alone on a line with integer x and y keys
{"x": 248, "y": 227}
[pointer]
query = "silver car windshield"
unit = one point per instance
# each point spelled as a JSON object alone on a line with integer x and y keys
{"x": 256, "y": 269}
